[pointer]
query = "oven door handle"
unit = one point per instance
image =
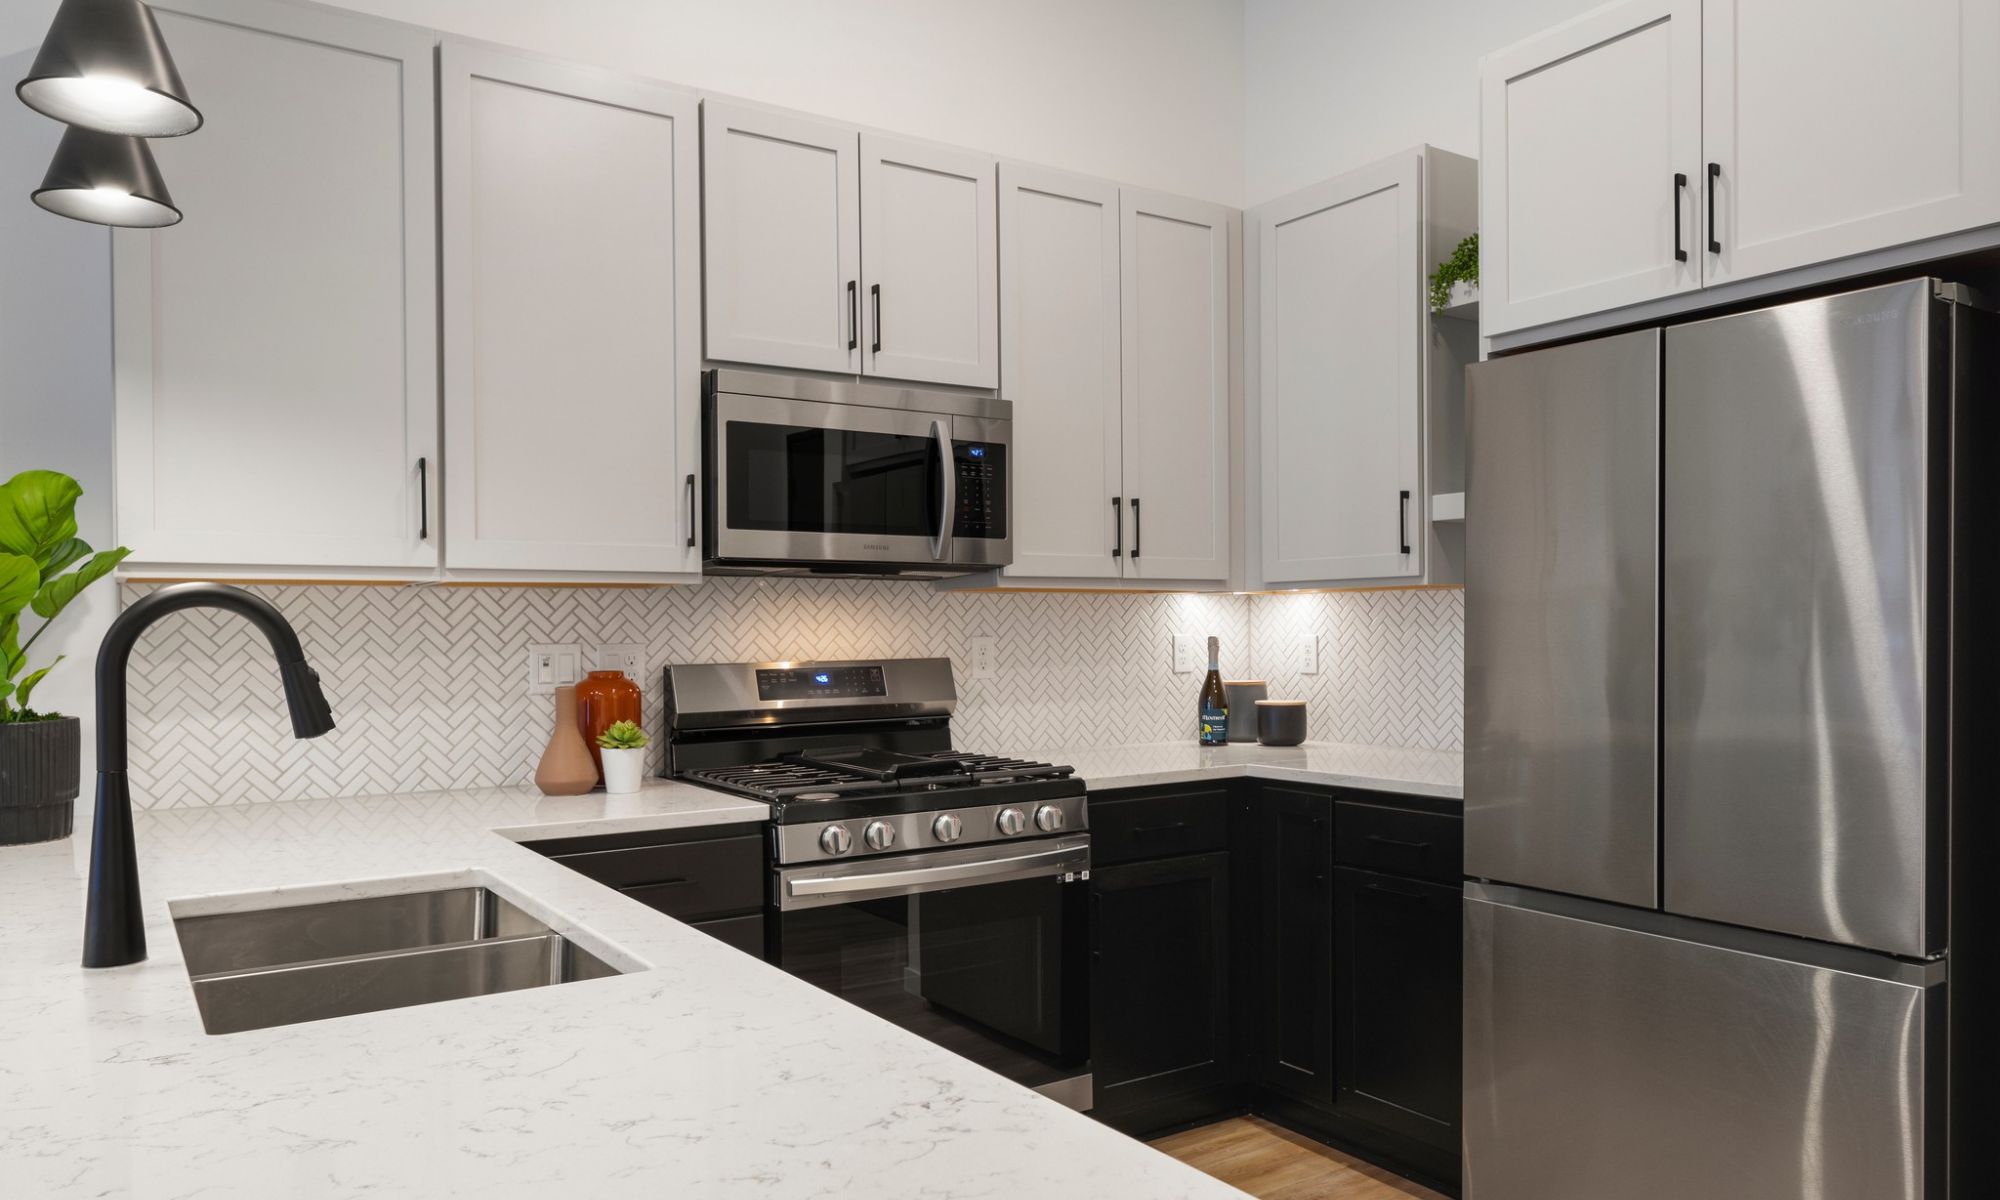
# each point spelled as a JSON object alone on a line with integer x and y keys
{"x": 941, "y": 440}
{"x": 1064, "y": 857}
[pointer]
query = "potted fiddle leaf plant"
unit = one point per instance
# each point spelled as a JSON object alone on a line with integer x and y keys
{"x": 624, "y": 748}
{"x": 39, "y": 751}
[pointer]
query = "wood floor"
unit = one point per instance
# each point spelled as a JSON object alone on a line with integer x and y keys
{"x": 1277, "y": 1164}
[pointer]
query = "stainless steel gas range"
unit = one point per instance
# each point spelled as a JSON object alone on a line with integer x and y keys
{"x": 943, "y": 891}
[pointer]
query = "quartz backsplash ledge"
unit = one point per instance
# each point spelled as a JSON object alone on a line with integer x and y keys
{"x": 429, "y": 685}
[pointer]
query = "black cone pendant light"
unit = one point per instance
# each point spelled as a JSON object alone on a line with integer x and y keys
{"x": 107, "y": 179}
{"x": 104, "y": 66}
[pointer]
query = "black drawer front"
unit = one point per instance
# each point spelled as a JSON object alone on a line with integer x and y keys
{"x": 744, "y": 933}
{"x": 1163, "y": 825}
{"x": 691, "y": 879}
{"x": 1399, "y": 842}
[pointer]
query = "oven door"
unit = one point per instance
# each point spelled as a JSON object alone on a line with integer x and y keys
{"x": 809, "y": 482}
{"x": 983, "y": 951}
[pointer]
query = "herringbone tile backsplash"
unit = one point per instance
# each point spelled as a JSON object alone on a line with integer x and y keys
{"x": 429, "y": 685}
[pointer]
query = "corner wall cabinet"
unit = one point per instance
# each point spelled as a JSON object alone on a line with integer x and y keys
{"x": 1660, "y": 146}
{"x": 276, "y": 352}
{"x": 791, "y": 202}
{"x": 1359, "y": 394}
{"x": 571, "y": 219}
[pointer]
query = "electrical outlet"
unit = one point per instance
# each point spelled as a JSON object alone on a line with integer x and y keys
{"x": 552, "y": 665}
{"x": 985, "y": 657}
{"x": 1188, "y": 652}
{"x": 629, "y": 657}
{"x": 1306, "y": 662}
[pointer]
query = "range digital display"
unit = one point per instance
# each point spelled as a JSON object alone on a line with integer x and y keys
{"x": 819, "y": 683}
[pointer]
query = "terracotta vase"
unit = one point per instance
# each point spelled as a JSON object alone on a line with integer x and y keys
{"x": 603, "y": 699}
{"x": 566, "y": 768}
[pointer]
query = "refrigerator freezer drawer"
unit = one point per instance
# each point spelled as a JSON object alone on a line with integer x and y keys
{"x": 1603, "y": 1060}
{"x": 1561, "y": 618}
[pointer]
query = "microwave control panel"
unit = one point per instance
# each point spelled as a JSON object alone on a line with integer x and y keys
{"x": 981, "y": 489}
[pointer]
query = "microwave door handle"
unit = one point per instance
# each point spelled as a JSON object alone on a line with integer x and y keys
{"x": 941, "y": 437}
{"x": 1054, "y": 861}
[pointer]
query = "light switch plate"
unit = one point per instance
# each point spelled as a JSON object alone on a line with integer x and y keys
{"x": 629, "y": 657}
{"x": 1188, "y": 650}
{"x": 985, "y": 653}
{"x": 1307, "y": 660}
{"x": 553, "y": 664}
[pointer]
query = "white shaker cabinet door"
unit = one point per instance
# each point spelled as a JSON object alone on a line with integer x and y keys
{"x": 1060, "y": 368}
{"x": 783, "y": 238}
{"x": 1341, "y": 390}
{"x": 1590, "y": 144}
{"x": 276, "y": 350}
{"x": 571, "y": 296}
{"x": 1834, "y": 127}
{"x": 1175, "y": 309}
{"x": 930, "y": 263}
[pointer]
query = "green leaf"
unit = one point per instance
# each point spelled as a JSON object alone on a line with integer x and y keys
{"x": 37, "y": 513}
{"x": 26, "y": 687}
{"x": 62, "y": 556}
{"x": 11, "y": 658}
{"x": 56, "y": 594}
{"x": 19, "y": 579}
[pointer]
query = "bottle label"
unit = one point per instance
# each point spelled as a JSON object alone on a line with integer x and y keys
{"x": 1214, "y": 725}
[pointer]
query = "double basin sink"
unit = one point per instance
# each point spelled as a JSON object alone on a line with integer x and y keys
{"x": 283, "y": 966}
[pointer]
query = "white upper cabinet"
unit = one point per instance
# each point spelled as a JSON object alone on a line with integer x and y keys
{"x": 1590, "y": 145}
{"x": 783, "y": 240}
{"x": 1340, "y": 377}
{"x": 276, "y": 350}
{"x": 1839, "y": 126}
{"x": 1175, "y": 308}
{"x": 572, "y": 317}
{"x": 1060, "y": 335}
{"x": 930, "y": 271}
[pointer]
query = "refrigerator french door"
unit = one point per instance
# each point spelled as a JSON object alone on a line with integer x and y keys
{"x": 1711, "y": 580}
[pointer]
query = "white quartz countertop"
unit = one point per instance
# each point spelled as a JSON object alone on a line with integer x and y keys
{"x": 704, "y": 1074}
{"x": 1410, "y": 771}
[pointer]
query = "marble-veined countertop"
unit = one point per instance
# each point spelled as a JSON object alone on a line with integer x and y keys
{"x": 1416, "y": 772}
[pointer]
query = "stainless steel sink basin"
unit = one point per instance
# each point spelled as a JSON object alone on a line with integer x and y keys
{"x": 282, "y": 966}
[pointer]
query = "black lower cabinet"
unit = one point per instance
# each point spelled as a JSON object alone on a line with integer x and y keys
{"x": 1396, "y": 1004}
{"x": 1160, "y": 996}
{"x": 1291, "y": 996}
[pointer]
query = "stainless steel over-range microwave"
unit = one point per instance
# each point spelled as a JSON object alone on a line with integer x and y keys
{"x": 810, "y": 476}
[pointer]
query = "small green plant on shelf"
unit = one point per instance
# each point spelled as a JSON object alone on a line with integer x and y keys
{"x": 1462, "y": 266}
{"x": 38, "y": 543}
{"x": 623, "y": 735}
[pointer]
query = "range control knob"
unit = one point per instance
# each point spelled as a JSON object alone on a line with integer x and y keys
{"x": 835, "y": 839}
{"x": 946, "y": 828}
{"x": 879, "y": 835}
{"x": 1010, "y": 821}
{"x": 1048, "y": 818}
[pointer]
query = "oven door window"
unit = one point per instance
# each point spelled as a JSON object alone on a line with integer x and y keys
{"x": 994, "y": 972}
{"x": 802, "y": 479}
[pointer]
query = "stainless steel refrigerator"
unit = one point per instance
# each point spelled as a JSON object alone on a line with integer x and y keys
{"x": 1725, "y": 811}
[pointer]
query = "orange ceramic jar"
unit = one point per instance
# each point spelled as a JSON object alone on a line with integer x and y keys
{"x": 603, "y": 699}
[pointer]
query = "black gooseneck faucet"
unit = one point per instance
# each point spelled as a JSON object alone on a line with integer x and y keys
{"x": 113, "y": 933}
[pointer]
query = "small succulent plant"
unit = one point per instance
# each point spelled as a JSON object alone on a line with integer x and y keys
{"x": 623, "y": 735}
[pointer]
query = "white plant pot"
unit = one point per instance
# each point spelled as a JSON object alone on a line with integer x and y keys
{"x": 623, "y": 769}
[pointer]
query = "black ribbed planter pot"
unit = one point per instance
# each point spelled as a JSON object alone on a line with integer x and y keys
{"x": 38, "y": 779}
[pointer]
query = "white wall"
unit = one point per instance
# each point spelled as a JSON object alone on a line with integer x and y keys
{"x": 55, "y": 376}
{"x": 1148, "y": 92}
{"x": 1335, "y": 84}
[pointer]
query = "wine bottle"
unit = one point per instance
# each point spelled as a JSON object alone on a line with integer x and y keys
{"x": 1214, "y": 702}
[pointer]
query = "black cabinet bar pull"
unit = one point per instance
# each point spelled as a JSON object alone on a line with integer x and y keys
{"x": 1714, "y": 173}
{"x": 1117, "y": 527}
{"x": 1139, "y": 831}
{"x": 853, "y": 314}
{"x": 1680, "y": 185}
{"x": 690, "y": 488}
{"x": 875, "y": 294}
{"x": 1135, "y": 527}
{"x": 1403, "y": 520}
{"x": 1399, "y": 843}
{"x": 424, "y": 499}
{"x": 1391, "y": 891}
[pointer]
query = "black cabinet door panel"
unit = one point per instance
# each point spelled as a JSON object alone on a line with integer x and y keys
{"x": 1397, "y": 1003}
{"x": 1295, "y": 834}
